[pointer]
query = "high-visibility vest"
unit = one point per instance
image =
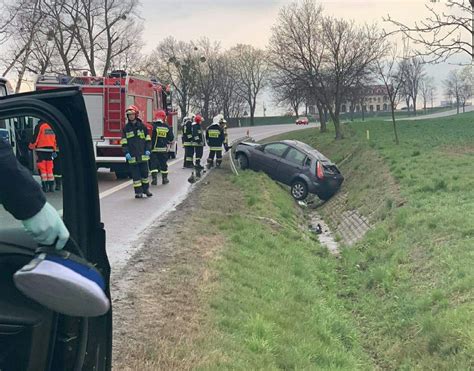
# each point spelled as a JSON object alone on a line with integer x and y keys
{"x": 46, "y": 137}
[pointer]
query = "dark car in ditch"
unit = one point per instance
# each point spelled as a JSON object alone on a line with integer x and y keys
{"x": 293, "y": 163}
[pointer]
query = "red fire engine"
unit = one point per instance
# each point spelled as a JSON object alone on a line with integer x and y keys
{"x": 106, "y": 99}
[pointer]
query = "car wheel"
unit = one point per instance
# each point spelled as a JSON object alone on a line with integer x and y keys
{"x": 299, "y": 190}
{"x": 243, "y": 161}
{"x": 121, "y": 175}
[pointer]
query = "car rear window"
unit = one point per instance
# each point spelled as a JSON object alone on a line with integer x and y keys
{"x": 277, "y": 149}
{"x": 295, "y": 156}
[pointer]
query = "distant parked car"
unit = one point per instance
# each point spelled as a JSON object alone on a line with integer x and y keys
{"x": 293, "y": 163}
{"x": 302, "y": 121}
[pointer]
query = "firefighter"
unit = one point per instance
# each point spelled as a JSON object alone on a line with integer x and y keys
{"x": 215, "y": 139}
{"x": 136, "y": 144}
{"x": 44, "y": 144}
{"x": 161, "y": 137}
{"x": 198, "y": 143}
{"x": 223, "y": 124}
{"x": 188, "y": 142}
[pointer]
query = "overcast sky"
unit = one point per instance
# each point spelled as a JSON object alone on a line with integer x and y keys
{"x": 250, "y": 21}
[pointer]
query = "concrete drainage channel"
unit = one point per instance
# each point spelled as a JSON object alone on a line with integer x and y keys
{"x": 350, "y": 226}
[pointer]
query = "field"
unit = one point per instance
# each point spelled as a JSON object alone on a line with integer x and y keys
{"x": 242, "y": 284}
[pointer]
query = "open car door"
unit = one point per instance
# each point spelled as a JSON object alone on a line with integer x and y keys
{"x": 33, "y": 337}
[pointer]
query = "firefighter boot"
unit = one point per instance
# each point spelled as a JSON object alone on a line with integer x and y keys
{"x": 147, "y": 192}
{"x": 154, "y": 178}
{"x": 209, "y": 164}
{"x": 44, "y": 186}
{"x": 139, "y": 195}
{"x": 192, "y": 179}
{"x": 198, "y": 172}
{"x": 165, "y": 179}
{"x": 51, "y": 185}
{"x": 58, "y": 184}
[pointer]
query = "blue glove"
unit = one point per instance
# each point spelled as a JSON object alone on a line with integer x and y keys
{"x": 128, "y": 156}
{"x": 47, "y": 227}
{"x": 54, "y": 155}
{"x": 147, "y": 153}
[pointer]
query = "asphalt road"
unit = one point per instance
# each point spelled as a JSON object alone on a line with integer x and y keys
{"x": 435, "y": 115}
{"x": 126, "y": 219}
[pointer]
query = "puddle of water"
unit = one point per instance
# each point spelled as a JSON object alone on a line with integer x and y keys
{"x": 326, "y": 238}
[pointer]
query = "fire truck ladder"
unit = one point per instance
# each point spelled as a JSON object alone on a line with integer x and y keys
{"x": 114, "y": 108}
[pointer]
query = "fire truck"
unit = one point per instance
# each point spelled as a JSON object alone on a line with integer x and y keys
{"x": 106, "y": 99}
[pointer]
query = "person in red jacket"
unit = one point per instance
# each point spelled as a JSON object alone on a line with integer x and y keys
{"x": 45, "y": 146}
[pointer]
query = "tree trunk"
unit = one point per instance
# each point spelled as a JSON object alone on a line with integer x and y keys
{"x": 337, "y": 125}
{"x": 322, "y": 119}
{"x": 252, "y": 115}
{"x": 414, "y": 105}
{"x": 296, "y": 109}
{"x": 407, "y": 100}
{"x": 363, "y": 113}
{"x": 394, "y": 124}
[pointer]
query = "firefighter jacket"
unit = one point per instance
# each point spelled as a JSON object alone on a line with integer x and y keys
{"x": 44, "y": 139}
{"x": 161, "y": 136}
{"x": 136, "y": 141}
{"x": 198, "y": 136}
{"x": 20, "y": 194}
{"x": 215, "y": 137}
{"x": 188, "y": 133}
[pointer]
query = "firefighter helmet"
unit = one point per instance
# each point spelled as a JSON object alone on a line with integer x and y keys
{"x": 198, "y": 119}
{"x": 160, "y": 115}
{"x": 132, "y": 109}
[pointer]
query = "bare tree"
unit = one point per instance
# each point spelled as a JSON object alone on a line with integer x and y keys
{"x": 390, "y": 72}
{"x": 251, "y": 71}
{"x": 414, "y": 73}
{"x": 426, "y": 88}
{"x": 227, "y": 100}
{"x": 330, "y": 54}
{"x": 287, "y": 91}
{"x": 454, "y": 86}
{"x": 205, "y": 90}
{"x": 24, "y": 27}
{"x": 467, "y": 86}
{"x": 444, "y": 32}
{"x": 175, "y": 62}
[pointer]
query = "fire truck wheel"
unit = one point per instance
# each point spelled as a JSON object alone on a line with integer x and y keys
{"x": 122, "y": 175}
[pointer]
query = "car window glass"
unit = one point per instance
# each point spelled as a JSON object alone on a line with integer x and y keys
{"x": 277, "y": 149}
{"x": 307, "y": 163}
{"x": 3, "y": 90}
{"x": 34, "y": 145}
{"x": 295, "y": 156}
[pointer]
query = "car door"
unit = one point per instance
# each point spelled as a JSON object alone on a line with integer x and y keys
{"x": 290, "y": 165}
{"x": 33, "y": 337}
{"x": 270, "y": 157}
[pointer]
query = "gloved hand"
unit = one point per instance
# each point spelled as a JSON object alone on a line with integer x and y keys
{"x": 128, "y": 156}
{"x": 54, "y": 155}
{"x": 147, "y": 153}
{"x": 47, "y": 227}
{"x": 226, "y": 147}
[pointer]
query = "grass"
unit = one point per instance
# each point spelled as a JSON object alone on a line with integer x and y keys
{"x": 245, "y": 286}
{"x": 274, "y": 305}
{"x": 410, "y": 282}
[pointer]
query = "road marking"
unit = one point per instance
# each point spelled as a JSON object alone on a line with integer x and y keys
{"x": 127, "y": 183}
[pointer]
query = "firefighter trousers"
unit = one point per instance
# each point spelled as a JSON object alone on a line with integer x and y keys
{"x": 159, "y": 162}
{"x": 188, "y": 155}
{"x": 217, "y": 154}
{"x": 139, "y": 173}
{"x": 198, "y": 151}
{"x": 45, "y": 166}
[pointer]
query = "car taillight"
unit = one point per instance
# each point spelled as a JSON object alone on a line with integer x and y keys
{"x": 319, "y": 170}
{"x": 115, "y": 141}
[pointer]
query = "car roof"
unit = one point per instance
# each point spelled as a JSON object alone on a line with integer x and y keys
{"x": 306, "y": 148}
